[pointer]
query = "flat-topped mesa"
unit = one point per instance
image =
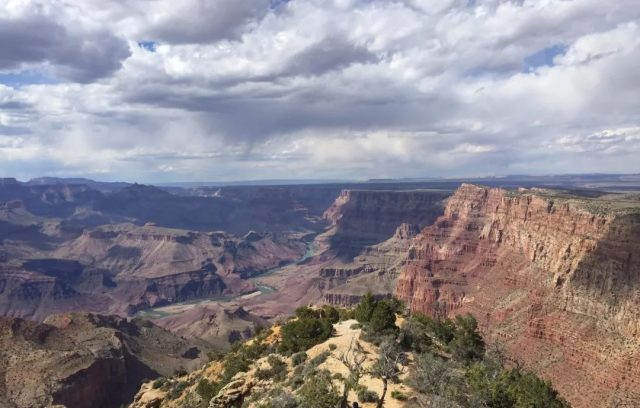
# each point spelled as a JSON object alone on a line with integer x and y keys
{"x": 537, "y": 264}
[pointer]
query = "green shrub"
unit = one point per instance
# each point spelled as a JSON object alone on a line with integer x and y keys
{"x": 298, "y": 358}
{"x": 276, "y": 372}
{"x": 299, "y": 370}
{"x": 214, "y": 356}
{"x": 383, "y": 319}
{"x": 399, "y": 395}
{"x": 159, "y": 383}
{"x": 319, "y": 359}
{"x": 332, "y": 347}
{"x": 192, "y": 401}
{"x": 364, "y": 309}
{"x": 296, "y": 381}
{"x": 318, "y": 391}
{"x": 278, "y": 398}
{"x": 355, "y": 326}
{"x": 467, "y": 344}
{"x": 330, "y": 313}
{"x": 263, "y": 374}
{"x": 346, "y": 314}
{"x": 176, "y": 390}
{"x": 469, "y": 378}
{"x": 233, "y": 364}
{"x": 278, "y": 368}
{"x": 365, "y": 395}
{"x": 377, "y": 318}
{"x": 444, "y": 330}
{"x": 310, "y": 328}
{"x": 240, "y": 358}
{"x": 415, "y": 335}
{"x": 511, "y": 388}
{"x": 207, "y": 389}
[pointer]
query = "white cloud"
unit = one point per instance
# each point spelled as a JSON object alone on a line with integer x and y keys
{"x": 346, "y": 88}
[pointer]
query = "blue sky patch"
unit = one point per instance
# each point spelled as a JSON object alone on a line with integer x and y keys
{"x": 544, "y": 57}
{"x": 23, "y": 78}
{"x": 277, "y": 3}
{"x": 148, "y": 45}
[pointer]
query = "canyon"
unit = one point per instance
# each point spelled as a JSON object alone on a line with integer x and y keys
{"x": 549, "y": 267}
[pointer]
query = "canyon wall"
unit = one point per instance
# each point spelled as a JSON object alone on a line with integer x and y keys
{"x": 361, "y": 218}
{"x": 369, "y": 232}
{"x": 556, "y": 279}
{"x": 375, "y": 269}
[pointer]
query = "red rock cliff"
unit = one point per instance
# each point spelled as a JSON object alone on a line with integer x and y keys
{"x": 556, "y": 280}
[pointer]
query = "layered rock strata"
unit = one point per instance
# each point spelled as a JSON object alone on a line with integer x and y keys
{"x": 362, "y": 218}
{"x": 374, "y": 270}
{"x": 124, "y": 268}
{"x": 553, "y": 277}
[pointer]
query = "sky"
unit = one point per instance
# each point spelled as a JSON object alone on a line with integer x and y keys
{"x": 195, "y": 90}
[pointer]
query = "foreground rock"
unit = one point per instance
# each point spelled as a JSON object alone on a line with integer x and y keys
{"x": 85, "y": 360}
{"x": 250, "y": 389}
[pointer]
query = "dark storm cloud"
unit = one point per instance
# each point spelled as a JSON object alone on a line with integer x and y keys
{"x": 257, "y": 116}
{"x": 80, "y": 57}
{"x": 328, "y": 55}
{"x": 14, "y": 105}
{"x": 205, "y": 21}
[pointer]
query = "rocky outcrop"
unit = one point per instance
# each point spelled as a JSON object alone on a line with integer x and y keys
{"x": 234, "y": 393}
{"x": 554, "y": 277}
{"x": 362, "y": 218}
{"x": 84, "y": 360}
{"x": 253, "y": 389}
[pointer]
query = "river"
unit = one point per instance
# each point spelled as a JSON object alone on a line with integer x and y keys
{"x": 261, "y": 289}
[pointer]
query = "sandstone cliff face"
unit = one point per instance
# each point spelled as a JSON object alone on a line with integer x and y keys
{"x": 556, "y": 279}
{"x": 362, "y": 218}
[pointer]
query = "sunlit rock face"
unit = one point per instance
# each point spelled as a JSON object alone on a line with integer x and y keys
{"x": 556, "y": 279}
